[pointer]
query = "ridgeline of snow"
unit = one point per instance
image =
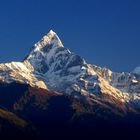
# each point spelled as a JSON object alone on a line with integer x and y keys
{"x": 51, "y": 66}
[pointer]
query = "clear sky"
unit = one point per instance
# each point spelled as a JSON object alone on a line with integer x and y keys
{"x": 104, "y": 32}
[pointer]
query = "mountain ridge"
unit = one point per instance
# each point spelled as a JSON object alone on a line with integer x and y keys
{"x": 51, "y": 66}
{"x": 55, "y": 92}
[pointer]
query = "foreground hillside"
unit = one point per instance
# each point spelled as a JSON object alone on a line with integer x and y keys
{"x": 31, "y": 110}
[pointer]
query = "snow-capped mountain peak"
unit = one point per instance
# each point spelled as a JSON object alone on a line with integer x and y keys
{"x": 66, "y": 72}
{"x": 46, "y": 51}
{"x": 48, "y": 44}
{"x": 51, "y": 65}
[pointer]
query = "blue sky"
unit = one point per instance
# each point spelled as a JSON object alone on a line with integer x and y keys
{"x": 104, "y": 32}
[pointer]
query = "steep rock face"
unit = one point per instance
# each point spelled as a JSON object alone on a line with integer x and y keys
{"x": 66, "y": 72}
{"x": 41, "y": 56}
{"x": 126, "y": 82}
{"x": 61, "y": 70}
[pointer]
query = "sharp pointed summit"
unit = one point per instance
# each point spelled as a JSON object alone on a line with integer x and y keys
{"x": 44, "y": 49}
{"x": 52, "y": 32}
{"x": 50, "y": 39}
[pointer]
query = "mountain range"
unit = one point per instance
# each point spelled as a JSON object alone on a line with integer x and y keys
{"x": 54, "y": 89}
